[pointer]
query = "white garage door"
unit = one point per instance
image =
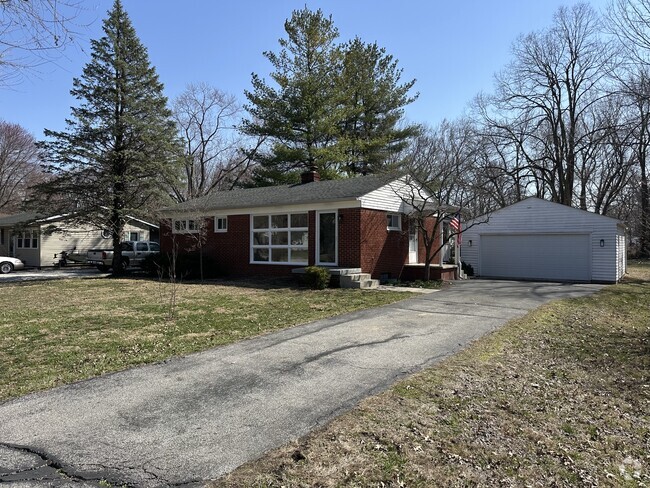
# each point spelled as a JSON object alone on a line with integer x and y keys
{"x": 554, "y": 257}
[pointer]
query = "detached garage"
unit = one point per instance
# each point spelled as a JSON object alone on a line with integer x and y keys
{"x": 539, "y": 240}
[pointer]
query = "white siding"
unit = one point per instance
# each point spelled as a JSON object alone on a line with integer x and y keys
{"x": 621, "y": 252}
{"x": 79, "y": 239}
{"x": 535, "y": 216}
{"x": 391, "y": 197}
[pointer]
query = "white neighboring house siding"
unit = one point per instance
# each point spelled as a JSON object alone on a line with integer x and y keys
{"x": 81, "y": 239}
{"x": 535, "y": 216}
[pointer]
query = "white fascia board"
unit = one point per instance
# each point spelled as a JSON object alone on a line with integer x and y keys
{"x": 275, "y": 209}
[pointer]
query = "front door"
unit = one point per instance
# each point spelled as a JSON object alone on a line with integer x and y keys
{"x": 327, "y": 239}
{"x": 413, "y": 242}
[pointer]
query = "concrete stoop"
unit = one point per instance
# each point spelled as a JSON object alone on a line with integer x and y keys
{"x": 362, "y": 281}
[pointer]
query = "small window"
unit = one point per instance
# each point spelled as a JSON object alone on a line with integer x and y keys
{"x": 393, "y": 222}
{"x": 220, "y": 224}
{"x": 185, "y": 226}
{"x": 27, "y": 239}
{"x": 134, "y": 236}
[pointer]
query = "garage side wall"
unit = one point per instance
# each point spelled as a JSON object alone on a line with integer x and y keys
{"x": 534, "y": 216}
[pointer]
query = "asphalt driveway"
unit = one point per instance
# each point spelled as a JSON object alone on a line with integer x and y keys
{"x": 195, "y": 418}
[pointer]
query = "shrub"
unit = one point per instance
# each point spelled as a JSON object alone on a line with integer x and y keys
{"x": 467, "y": 268}
{"x": 317, "y": 278}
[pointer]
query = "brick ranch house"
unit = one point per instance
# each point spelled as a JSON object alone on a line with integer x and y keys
{"x": 356, "y": 225}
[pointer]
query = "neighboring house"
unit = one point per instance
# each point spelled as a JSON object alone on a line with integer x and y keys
{"x": 358, "y": 224}
{"x": 536, "y": 239}
{"x": 38, "y": 240}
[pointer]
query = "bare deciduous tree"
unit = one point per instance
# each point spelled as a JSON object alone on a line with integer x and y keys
{"x": 207, "y": 120}
{"x": 33, "y": 32}
{"x": 629, "y": 21}
{"x": 19, "y": 165}
{"x": 440, "y": 183}
{"x": 544, "y": 99}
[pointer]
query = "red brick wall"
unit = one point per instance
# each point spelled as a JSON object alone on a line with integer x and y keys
{"x": 383, "y": 252}
{"x": 230, "y": 251}
{"x": 349, "y": 238}
{"x": 364, "y": 242}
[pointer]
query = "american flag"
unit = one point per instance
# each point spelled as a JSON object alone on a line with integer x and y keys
{"x": 454, "y": 223}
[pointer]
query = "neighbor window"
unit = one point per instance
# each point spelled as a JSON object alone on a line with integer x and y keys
{"x": 27, "y": 239}
{"x": 185, "y": 226}
{"x": 220, "y": 224}
{"x": 134, "y": 236}
{"x": 2, "y": 236}
{"x": 393, "y": 222}
{"x": 280, "y": 238}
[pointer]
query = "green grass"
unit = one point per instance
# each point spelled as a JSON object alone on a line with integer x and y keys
{"x": 560, "y": 397}
{"x": 58, "y": 332}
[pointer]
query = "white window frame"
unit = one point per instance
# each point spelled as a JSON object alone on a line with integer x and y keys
{"x": 184, "y": 226}
{"x": 271, "y": 246}
{"x": 391, "y": 225}
{"x": 32, "y": 239}
{"x": 217, "y": 226}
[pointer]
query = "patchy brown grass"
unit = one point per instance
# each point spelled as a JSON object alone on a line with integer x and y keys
{"x": 560, "y": 397}
{"x": 58, "y": 332}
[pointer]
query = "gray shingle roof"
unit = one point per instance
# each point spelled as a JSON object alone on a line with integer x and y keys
{"x": 9, "y": 220}
{"x": 315, "y": 192}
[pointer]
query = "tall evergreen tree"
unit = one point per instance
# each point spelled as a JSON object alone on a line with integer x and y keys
{"x": 297, "y": 116}
{"x": 373, "y": 104}
{"x": 120, "y": 145}
{"x": 336, "y": 108}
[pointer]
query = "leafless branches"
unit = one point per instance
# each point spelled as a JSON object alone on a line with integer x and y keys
{"x": 207, "y": 120}
{"x": 19, "y": 165}
{"x": 33, "y": 32}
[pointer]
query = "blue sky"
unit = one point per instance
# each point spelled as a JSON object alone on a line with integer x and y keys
{"x": 452, "y": 48}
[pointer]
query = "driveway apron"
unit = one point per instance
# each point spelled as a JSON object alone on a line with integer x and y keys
{"x": 194, "y": 418}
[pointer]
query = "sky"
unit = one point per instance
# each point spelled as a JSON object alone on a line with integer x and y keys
{"x": 452, "y": 48}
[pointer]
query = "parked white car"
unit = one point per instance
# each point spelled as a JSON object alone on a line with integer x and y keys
{"x": 7, "y": 264}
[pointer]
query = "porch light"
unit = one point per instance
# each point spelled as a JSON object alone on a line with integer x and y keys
{"x": 602, "y": 243}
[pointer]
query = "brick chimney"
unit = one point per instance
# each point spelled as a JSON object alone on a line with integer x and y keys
{"x": 309, "y": 177}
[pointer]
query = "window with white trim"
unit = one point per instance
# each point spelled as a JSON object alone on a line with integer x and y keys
{"x": 393, "y": 222}
{"x": 280, "y": 238}
{"x": 220, "y": 224}
{"x": 185, "y": 226}
{"x": 27, "y": 239}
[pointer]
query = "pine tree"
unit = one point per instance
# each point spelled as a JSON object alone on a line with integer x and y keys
{"x": 373, "y": 102}
{"x": 299, "y": 115}
{"x": 120, "y": 145}
{"x": 336, "y": 108}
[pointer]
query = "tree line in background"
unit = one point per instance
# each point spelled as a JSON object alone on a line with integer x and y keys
{"x": 568, "y": 120}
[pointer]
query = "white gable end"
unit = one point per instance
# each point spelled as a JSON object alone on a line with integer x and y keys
{"x": 393, "y": 197}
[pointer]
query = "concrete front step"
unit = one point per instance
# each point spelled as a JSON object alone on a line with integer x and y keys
{"x": 359, "y": 280}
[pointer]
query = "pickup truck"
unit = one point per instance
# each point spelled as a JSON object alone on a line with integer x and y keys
{"x": 133, "y": 253}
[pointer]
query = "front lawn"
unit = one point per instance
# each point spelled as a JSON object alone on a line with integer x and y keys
{"x": 560, "y": 397}
{"x": 57, "y": 332}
